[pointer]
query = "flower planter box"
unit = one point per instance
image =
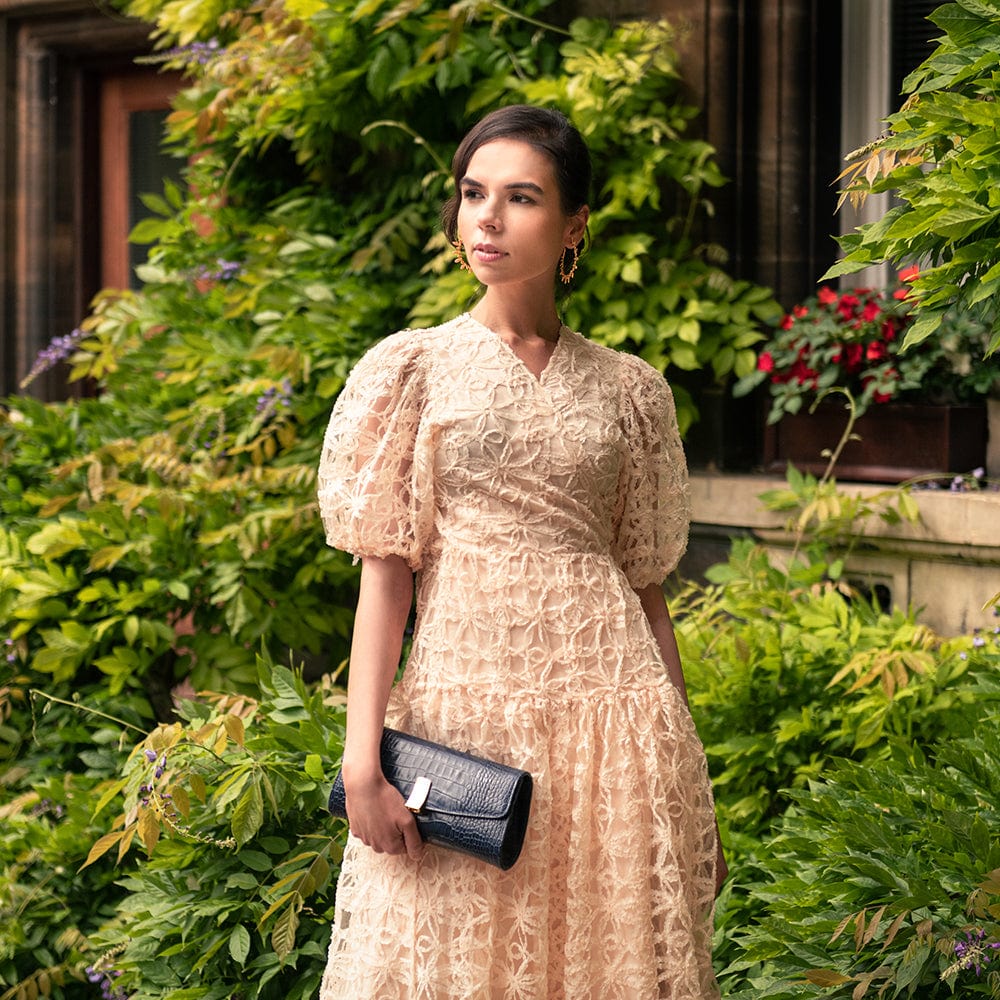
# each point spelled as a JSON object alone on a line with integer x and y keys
{"x": 897, "y": 441}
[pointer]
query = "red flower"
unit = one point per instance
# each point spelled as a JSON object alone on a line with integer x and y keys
{"x": 855, "y": 352}
{"x": 803, "y": 374}
{"x": 889, "y": 330}
{"x": 876, "y": 351}
{"x": 826, "y": 295}
{"x": 800, "y": 311}
{"x": 765, "y": 362}
{"x": 847, "y": 306}
{"x": 872, "y": 310}
{"x": 882, "y": 397}
{"x": 907, "y": 275}
{"x": 786, "y": 323}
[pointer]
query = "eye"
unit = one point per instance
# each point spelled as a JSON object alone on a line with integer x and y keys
{"x": 471, "y": 194}
{"x": 522, "y": 199}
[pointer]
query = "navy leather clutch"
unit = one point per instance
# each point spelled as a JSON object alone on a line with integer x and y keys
{"x": 460, "y": 801}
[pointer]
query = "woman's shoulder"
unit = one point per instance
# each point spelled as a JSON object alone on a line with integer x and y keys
{"x": 410, "y": 349}
{"x": 631, "y": 372}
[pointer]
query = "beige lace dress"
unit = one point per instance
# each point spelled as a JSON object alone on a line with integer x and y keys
{"x": 530, "y": 508}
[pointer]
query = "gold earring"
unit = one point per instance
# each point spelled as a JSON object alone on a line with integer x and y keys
{"x": 459, "y": 255}
{"x": 567, "y": 276}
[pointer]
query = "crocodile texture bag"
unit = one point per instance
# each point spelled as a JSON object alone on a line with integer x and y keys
{"x": 463, "y": 802}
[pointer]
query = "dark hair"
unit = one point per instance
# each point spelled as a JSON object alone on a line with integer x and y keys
{"x": 549, "y": 131}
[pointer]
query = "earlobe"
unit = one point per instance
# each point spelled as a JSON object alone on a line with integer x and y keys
{"x": 578, "y": 227}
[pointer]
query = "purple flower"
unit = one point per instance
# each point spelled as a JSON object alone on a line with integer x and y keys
{"x": 271, "y": 398}
{"x": 197, "y": 52}
{"x": 59, "y": 349}
{"x": 975, "y": 951}
{"x": 150, "y": 755}
{"x": 225, "y": 270}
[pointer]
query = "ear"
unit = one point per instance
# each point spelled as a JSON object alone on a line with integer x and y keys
{"x": 576, "y": 226}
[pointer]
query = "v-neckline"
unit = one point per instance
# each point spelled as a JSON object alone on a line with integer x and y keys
{"x": 540, "y": 378}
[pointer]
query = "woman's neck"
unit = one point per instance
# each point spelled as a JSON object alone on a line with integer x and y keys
{"x": 519, "y": 316}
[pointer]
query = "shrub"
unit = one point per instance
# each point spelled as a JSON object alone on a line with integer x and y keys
{"x": 938, "y": 159}
{"x": 884, "y": 880}
{"x": 216, "y": 878}
{"x": 791, "y": 669}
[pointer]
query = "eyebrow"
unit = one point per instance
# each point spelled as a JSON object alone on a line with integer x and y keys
{"x": 515, "y": 186}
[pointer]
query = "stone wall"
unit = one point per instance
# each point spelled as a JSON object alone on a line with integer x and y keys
{"x": 947, "y": 564}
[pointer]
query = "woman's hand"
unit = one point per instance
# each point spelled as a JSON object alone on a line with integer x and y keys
{"x": 378, "y": 817}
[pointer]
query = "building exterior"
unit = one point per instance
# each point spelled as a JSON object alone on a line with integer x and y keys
{"x": 79, "y": 139}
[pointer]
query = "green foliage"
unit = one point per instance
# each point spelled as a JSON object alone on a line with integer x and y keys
{"x": 791, "y": 668}
{"x": 223, "y": 855}
{"x": 53, "y": 760}
{"x": 884, "y": 880}
{"x": 939, "y": 159}
{"x": 228, "y": 805}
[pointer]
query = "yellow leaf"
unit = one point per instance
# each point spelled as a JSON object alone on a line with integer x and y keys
{"x": 873, "y": 924}
{"x": 181, "y": 800}
{"x": 149, "y": 829}
{"x": 197, "y": 784}
{"x": 859, "y": 929}
{"x": 992, "y": 882}
{"x": 275, "y": 906}
{"x": 126, "y": 842}
{"x": 841, "y": 927}
{"x": 100, "y": 847}
{"x": 826, "y": 977}
{"x": 234, "y": 726}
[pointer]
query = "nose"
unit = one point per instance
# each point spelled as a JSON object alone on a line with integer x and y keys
{"x": 488, "y": 215}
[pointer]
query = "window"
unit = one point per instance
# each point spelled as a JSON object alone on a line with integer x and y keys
{"x": 77, "y": 120}
{"x": 134, "y": 107}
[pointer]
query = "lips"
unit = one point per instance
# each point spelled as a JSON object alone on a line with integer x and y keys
{"x": 487, "y": 252}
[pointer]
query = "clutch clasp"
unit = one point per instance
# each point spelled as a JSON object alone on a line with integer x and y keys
{"x": 418, "y": 794}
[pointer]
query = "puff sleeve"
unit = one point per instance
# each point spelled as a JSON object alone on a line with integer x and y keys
{"x": 375, "y": 487}
{"x": 654, "y": 508}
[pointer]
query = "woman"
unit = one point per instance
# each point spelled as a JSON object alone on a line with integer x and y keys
{"x": 535, "y": 483}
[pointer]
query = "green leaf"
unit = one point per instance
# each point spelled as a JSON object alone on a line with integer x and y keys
{"x": 314, "y": 767}
{"x": 239, "y": 944}
{"x": 248, "y": 814}
{"x": 957, "y": 20}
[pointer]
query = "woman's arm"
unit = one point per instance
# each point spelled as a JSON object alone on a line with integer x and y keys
{"x": 655, "y": 607}
{"x": 376, "y": 811}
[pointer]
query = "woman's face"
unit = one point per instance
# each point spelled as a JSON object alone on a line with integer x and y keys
{"x": 510, "y": 216}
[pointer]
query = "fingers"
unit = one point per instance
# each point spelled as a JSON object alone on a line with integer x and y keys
{"x": 396, "y": 836}
{"x": 413, "y": 842}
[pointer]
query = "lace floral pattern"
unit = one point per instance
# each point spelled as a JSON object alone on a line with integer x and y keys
{"x": 531, "y": 509}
